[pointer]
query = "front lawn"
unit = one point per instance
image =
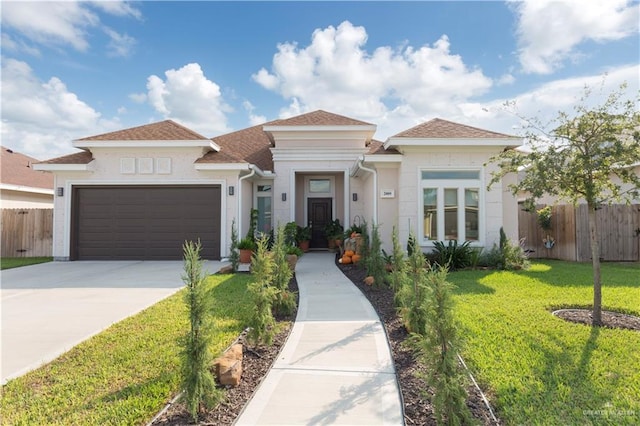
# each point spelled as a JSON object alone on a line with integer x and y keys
{"x": 539, "y": 369}
{"x": 127, "y": 373}
{"x": 16, "y": 262}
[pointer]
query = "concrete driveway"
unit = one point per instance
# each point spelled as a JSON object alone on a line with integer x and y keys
{"x": 51, "y": 307}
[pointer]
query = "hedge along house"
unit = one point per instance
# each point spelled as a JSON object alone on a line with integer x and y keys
{"x": 139, "y": 193}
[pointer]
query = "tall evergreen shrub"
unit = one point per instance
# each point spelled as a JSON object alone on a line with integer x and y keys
{"x": 197, "y": 380}
{"x": 263, "y": 294}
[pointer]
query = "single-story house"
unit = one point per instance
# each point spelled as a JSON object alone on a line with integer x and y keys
{"x": 139, "y": 193}
{"x": 22, "y": 187}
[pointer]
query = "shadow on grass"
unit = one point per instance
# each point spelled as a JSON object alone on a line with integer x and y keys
{"x": 559, "y": 273}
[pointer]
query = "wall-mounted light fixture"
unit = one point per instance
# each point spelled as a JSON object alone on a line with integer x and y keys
{"x": 231, "y": 190}
{"x": 60, "y": 191}
{"x": 354, "y": 196}
{"x": 284, "y": 196}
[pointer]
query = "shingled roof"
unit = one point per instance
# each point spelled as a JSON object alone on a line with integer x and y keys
{"x": 83, "y": 157}
{"x": 17, "y": 170}
{"x": 443, "y": 129}
{"x": 249, "y": 145}
{"x": 318, "y": 118}
{"x": 167, "y": 130}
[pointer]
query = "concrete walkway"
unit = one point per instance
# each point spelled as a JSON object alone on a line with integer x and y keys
{"x": 49, "y": 308}
{"x": 336, "y": 367}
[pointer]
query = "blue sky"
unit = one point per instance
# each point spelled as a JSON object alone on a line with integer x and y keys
{"x": 75, "y": 69}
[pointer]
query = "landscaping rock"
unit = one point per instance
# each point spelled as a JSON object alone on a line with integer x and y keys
{"x": 228, "y": 269}
{"x": 229, "y": 366}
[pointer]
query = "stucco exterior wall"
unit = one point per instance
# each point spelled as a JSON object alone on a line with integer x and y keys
{"x": 409, "y": 198}
{"x": 108, "y": 170}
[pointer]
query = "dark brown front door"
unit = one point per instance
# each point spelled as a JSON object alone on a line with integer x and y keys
{"x": 144, "y": 223}
{"x": 319, "y": 213}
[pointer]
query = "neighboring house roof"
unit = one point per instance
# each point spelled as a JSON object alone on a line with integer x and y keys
{"x": 17, "y": 170}
{"x": 163, "y": 130}
{"x": 84, "y": 157}
{"x": 439, "y": 128}
{"x": 377, "y": 148}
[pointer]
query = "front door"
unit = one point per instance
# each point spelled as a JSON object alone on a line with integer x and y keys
{"x": 319, "y": 214}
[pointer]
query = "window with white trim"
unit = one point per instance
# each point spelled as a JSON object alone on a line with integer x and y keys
{"x": 451, "y": 205}
{"x": 263, "y": 205}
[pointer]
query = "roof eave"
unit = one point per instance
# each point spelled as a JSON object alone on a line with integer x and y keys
{"x": 25, "y": 188}
{"x": 479, "y": 142}
{"x": 49, "y": 167}
{"x": 204, "y": 143}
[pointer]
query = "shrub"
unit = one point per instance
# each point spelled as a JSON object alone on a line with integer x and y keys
{"x": 263, "y": 294}
{"x": 413, "y": 292}
{"x": 398, "y": 262}
{"x": 198, "y": 382}
{"x": 375, "y": 263}
{"x": 506, "y": 256}
{"x": 285, "y": 302}
{"x": 439, "y": 349}
{"x": 453, "y": 255}
{"x": 234, "y": 256}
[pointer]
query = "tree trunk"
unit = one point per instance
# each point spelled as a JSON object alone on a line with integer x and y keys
{"x": 595, "y": 259}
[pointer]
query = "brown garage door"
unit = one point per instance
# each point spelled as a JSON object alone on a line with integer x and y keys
{"x": 144, "y": 223}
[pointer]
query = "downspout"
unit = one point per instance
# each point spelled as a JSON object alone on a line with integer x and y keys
{"x": 253, "y": 172}
{"x": 375, "y": 187}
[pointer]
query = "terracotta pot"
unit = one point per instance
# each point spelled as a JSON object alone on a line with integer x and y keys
{"x": 292, "y": 259}
{"x": 331, "y": 244}
{"x": 245, "y": 255}
{"x": 304, "y": 246}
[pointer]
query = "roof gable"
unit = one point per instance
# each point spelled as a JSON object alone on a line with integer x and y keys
{"x": 17, "y": 169}
{"x": 444, "y": 129}
{"x": 167, "y": 130}
{"x": 319, "y": 118}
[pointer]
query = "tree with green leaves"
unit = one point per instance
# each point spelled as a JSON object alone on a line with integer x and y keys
{"x": 588, "y": 156}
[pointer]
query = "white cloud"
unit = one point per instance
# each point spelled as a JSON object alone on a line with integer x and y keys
{"x": 138, "y": 98}
{"x": 42, "y": 118}
{"x": 18, "y": 45}
{"x": 544, "y": 102}
{"x": 120, "y": 44}
{"x": 254, "y": 119}
{"x": 187, "y": 96}
{"x": 391, "y": 87}
{"x": 506, "y": 79}
{"x": 66, "y": 23}
{"x": 550, "y": 30}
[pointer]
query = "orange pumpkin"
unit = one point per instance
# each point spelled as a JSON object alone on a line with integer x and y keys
{"x": 346, "y": 259}
{"x": 356, "y": 258}
{"x": 349, "y": 253}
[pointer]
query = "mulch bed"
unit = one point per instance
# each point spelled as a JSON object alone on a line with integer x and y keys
{"x": 417, "y": 408}
{"x": 257, "y": 362}
{"x": 609, "y": 319}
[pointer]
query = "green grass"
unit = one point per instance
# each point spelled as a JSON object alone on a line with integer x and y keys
{"x": 539, "y": 369}
{"x": 127, "y": 373}
{"x": 16, "y": 262}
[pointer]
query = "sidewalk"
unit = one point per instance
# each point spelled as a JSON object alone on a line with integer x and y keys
{"x": 336, "y": 367}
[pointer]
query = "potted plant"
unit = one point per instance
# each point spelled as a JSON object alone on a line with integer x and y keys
{"x": 246, "y": 246}
{"x": 293, "y": 253}
{"x": 303, "y": 235}
{"x": 333, "y": 230}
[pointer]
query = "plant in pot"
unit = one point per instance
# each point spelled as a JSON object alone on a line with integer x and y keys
{"x": 333, "y": 230}
{"x": 303, "y": 236}
{"x": 293, "y": 253}
{"x": 246, "y": 246}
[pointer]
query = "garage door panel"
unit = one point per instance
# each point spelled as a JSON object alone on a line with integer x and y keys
{"x": 145, "y": 222}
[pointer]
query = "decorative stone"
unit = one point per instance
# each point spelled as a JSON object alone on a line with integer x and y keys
{"x": 227, "y": 269}
{"x": 369, "y": 280}
{"x": 228, "y": 367}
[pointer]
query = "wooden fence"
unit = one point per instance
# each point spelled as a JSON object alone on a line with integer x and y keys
{"x": 27, "y": 232}
{"x": 619, "y": 226}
